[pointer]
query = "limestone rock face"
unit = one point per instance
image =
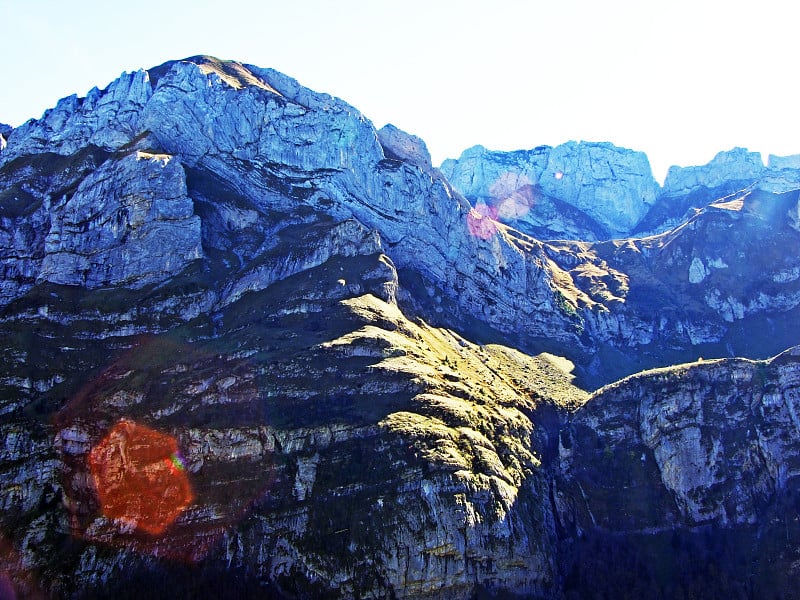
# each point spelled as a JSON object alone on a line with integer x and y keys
{"x": 107, "y": 118}
{"x": 733, "y": 165}
{"x": 612, "y": 185}
{"x": 258, "y": 222}
{"x": 128, "y": 223}
{"x": 405, "y": 147}
{"x": 530, "y": 189}
{"x": 712, "y": 434}
{"x": 725, "y": 267}
{"x": 276, "y": 143}
{"x": 608, "y": 189}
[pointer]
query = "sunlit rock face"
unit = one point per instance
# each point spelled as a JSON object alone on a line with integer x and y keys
{"x": 589, "y": 191}
{"x": 275, "y": 143}
{"x": 580, "y": 190}
{"x": 405, "y": 147}
{"x": 737, "y": 165}
{"x": 208, "y": 371}
{"x": 254, "y": 347}
{"x": 5, "y": 131}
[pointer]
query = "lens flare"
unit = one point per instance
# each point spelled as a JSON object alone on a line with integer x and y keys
{"x": 177, "y": 462}
{"x": 512, "y": 196}
{"x": 482, "y": 221}
{"x": 6, "y": 587}
{"x": 140, "y": 477}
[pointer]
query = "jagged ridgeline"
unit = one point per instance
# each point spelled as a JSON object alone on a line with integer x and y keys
{"x": 253, "y": 347}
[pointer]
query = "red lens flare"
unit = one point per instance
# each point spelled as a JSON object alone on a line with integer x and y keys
{"x": 140, "y": 477}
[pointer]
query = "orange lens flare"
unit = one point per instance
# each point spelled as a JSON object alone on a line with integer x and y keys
{"x": 140, "y": 477}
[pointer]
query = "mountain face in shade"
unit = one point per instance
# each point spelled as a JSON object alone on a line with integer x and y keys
{"x": 255, "y": 348}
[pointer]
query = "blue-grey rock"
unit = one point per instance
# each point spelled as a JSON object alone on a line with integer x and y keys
{"x": 735, "y": 165}
{"x": 608, "y": 189}
{"x": 237, "y": 258}
{"x": 403, "y": 146}
{"x": 254, "y": 127}
{"x": 130, "y": 223}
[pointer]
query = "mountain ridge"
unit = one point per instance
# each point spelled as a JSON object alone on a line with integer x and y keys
{"x": 533, "y": 182}
{"x": 354, "y": 382}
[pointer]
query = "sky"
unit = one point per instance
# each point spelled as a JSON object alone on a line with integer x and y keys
{"x": 680, "y": 80}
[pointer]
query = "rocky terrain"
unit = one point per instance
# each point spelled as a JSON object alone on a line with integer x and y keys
{"x": 253, "y": 347}
{"x": 596, "y": 191}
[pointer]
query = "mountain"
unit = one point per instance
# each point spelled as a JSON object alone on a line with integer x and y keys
{"x": 254, "y": 347}
{"x": 596, "y": 191}
{"x": 584, "y": 190}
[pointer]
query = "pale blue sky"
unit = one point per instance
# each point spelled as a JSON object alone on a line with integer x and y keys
{"x": 679, "y": 80}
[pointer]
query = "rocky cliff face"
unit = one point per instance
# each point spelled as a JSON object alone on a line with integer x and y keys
{"x": 734, "y": 167}
{"x": 533, "y": 193}
{"x": 239, "y": 333}
{"x": 277, "y": 143}
{"x": 718, "y": 435}
{"x": 568, "y": 191}
{"x": 696, "y": 462}
{"x": 725, "y": 270}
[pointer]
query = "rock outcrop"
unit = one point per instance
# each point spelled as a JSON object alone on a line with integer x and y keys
{"x": 399, "y": 145}
{"x": 231, "y": 236}
{"x": 331, "y": 446}
{"x": 5, "y": 131}
{"x": 278, "y": 143}
{"x": 692, "y": 463}
{"x": 128, "y": 223}
{"x": 713, "y": 433}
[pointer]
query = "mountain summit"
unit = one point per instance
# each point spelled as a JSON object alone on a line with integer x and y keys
{"x": 255, "y": 348}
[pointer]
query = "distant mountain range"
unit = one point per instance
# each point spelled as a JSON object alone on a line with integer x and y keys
{"x": 253, "y": 347}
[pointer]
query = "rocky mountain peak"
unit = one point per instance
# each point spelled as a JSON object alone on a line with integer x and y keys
{"x": 254, "y": 347}
{"x": 399, "y": 145}
{"x": 231, "y": 73}
{"x": 586, "y": 190}
{"x": 601, "y": 190}
{"x": 736, "y": 165}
